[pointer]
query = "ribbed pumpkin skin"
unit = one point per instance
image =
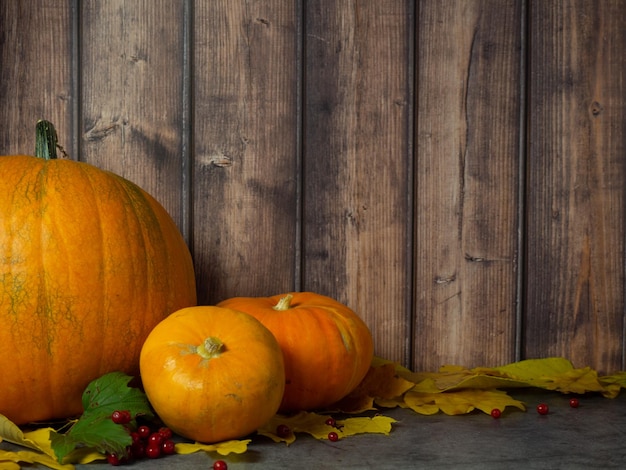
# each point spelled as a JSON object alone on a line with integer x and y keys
{"x": 89, "y": 264}
{"x": 327, "y": 348}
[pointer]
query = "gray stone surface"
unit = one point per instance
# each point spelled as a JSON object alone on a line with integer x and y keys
{"x": 592, "y": 436}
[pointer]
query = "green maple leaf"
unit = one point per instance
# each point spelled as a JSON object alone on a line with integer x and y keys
{"x": 111, "y": 392}
{"x": 95, "y": 429}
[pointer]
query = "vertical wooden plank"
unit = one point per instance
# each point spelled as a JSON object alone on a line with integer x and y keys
{"x": 467, "y": 181}
{"x": 245, "y": 193}
{"x": 36, "y": 73}
{"x": 357, "y": 161}
{"x": 576, "y": 176}
{"x": 132, "y": 59}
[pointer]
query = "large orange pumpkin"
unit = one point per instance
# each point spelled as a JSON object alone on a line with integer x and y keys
{"x": 212, "y": 374}
{"x": 89, "y": 264}
{"x": 328, "y": 349}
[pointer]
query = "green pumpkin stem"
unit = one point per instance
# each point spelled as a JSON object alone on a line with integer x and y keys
{"x": 284, "y": 303}
{"x": 210, "y": 348}
{"x": 46, "y": 140}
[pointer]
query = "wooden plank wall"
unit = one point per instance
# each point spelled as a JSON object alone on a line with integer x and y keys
{"x": 451, "y": 169}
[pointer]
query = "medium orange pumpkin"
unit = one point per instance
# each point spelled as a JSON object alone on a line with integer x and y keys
{"x": 89, "y": 264}
{"x": 212, "y": 373}
{"x": 328, "y": 349}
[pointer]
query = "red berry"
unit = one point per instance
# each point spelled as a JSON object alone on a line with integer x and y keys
{"x": 573, "y": 402}
{"x": 283, "y": 431}
{"x": 168, "y": 447}
{"x": 542, "y": 409}
{"x": 166, "y": 433}
{"x": 333, "y": 436}
{"x": 138, "y": 450}
{"x": 113, "y": 459}
{"x": 153, "y": 451}
{"x": 121, "y": 417}
{"x": 331, "y": 422}
{"x": 144, "y": 432}
{"x": 220, "y": 465}
{"x": 496, "y": 413}
{"x": 155, "y": 438}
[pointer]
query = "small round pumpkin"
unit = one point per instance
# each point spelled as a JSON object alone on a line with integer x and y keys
{"x": 212, "y": 374}
{"x": 89, "y": 264}
{"x": 327, "y": 348}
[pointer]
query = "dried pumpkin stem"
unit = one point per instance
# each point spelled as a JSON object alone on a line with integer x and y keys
{"x": 46, "y": 140}
{"x": 284, "y": 303}
{"x": 210, "y": 348}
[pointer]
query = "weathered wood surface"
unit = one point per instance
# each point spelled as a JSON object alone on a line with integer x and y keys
{"x": 453, "y": 170}
{"x": 357, "y": 161}
{"x": 36, "y": 72}
{"x": 576, "y": 182}
{"x": 245, "y": 148}
{"x": 467, "y": 178}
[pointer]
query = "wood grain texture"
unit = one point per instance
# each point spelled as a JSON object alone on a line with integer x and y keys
{"x": 576, "y": 178}
{"x": 357, "y": 160}
{"x": 131, "y": 69}
{"x": 36, "y": 72}
{"x": 245, "y": 144}
{"x": 466, "y": 182}
{"x": 440, "y": 166}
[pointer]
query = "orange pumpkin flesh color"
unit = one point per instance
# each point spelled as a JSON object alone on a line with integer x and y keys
{"x": 89, "y": 264}
{"x": 212, "y": 374}
{"x": 327, "y": 348}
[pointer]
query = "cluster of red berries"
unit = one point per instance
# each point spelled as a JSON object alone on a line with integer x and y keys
{"x": 147, "y": 442}
{"x": 542, "y": 408}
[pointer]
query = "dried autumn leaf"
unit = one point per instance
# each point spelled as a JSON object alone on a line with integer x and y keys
{"x": 554, "y": 373}
{"x": 460, "y": 401}
{"x": 84, "y": 455}
{"x": 470, "y": 379}
{"x": 222, "y": 448}
{"x": 363, "y": 425}
{"x": 315, "y": 425}
{"x": 8, "y": 464}
{"x": 381, "y": 381}
{"x": 613, "y": 384}
{"x": 310, "y": 423}
{"x": 10, "y": 460}
{"x": 9, "y": 431}
{"x": 551, "y": 374}
{"x": 38, "y": 441}
{"x": 358, "y": 401}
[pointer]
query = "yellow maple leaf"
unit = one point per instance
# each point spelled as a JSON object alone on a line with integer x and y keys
{"x": 11, "y": 459}
{"x": 38, "y": 441}
{"x": 551, "y": 374}
{"x": 222, "y": 448}
{"x": 315, "y": 425}
{"x": 304, "y": 421}
{"x": 9, "y": 464}
{"x": 363, "y": 425}
{"x": 28, "y": 456}
{"x": 554, "y": 373}
{"x": 460, "y": 401}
